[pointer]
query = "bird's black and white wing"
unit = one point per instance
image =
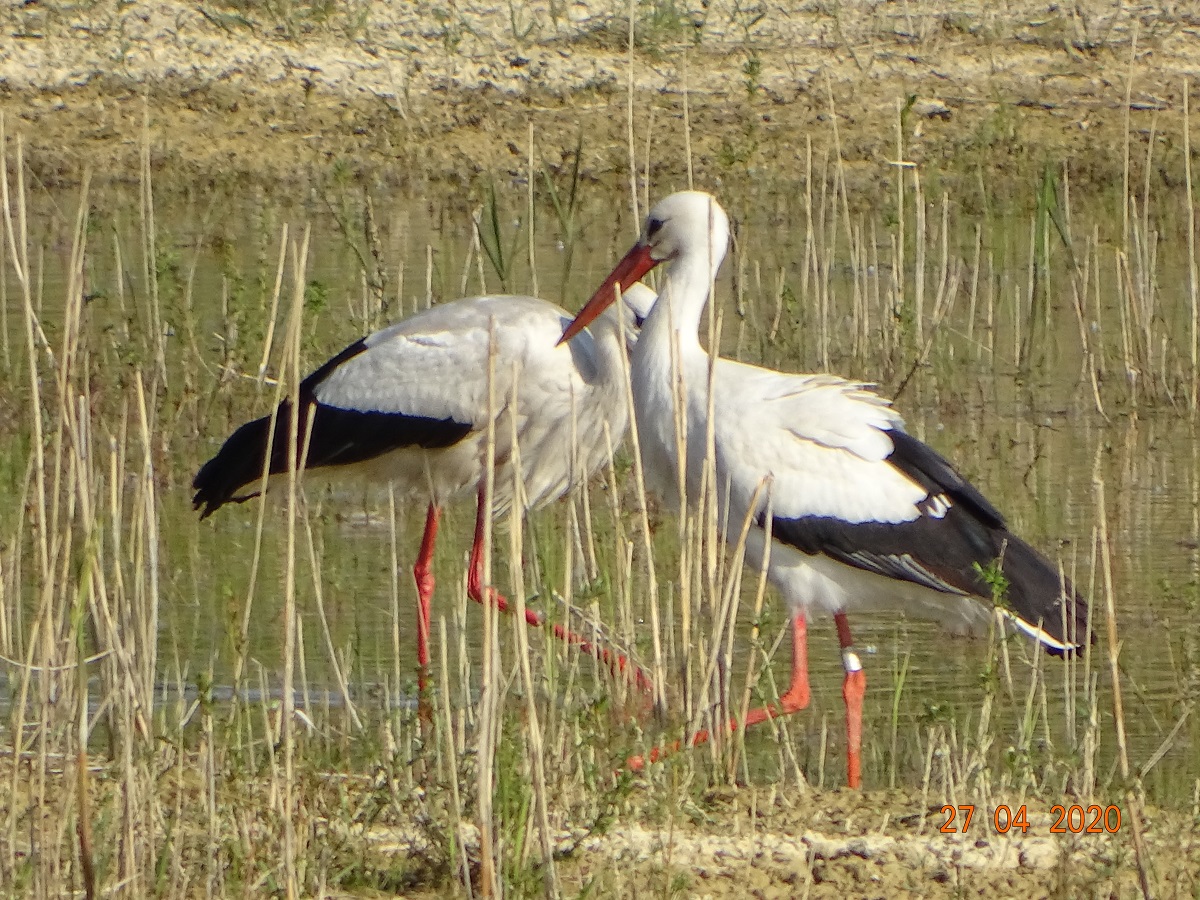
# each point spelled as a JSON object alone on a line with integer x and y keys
{"x": 421, "y": 383}
{"x": 848, "y": 483}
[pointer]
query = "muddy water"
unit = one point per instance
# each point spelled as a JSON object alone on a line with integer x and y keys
{"x": 1031, "y": 439}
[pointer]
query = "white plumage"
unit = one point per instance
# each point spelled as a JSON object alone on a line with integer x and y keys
{"x": 409, "y": 406}
{"x": 862, "y": 515}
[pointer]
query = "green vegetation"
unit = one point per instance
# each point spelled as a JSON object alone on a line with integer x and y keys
{"x": 224, "y": 708}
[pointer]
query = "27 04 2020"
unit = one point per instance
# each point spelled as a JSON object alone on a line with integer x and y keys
{"x": 1074, "y": 819}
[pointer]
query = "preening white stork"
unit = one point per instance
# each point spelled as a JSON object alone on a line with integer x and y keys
{"x": 408, "y": 406}
{"x": 858, "y": 514}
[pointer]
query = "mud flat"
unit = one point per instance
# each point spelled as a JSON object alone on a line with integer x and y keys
{"x": 409, "y": 94}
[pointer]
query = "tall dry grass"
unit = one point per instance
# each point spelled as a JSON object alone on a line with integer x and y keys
{"x": 135, "y": 767}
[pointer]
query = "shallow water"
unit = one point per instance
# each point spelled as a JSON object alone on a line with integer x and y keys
{"x": 1032, "y": 440}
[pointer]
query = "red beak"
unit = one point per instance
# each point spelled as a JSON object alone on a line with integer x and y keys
{"x": 636, "y": 263}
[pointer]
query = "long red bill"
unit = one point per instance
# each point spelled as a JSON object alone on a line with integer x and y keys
{"x": 636, "y": 263}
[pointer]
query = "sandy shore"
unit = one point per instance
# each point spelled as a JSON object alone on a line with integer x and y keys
{"x": 411, "y": 94}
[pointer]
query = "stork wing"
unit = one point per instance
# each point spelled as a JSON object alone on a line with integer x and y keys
{"x": 846, "y": 481}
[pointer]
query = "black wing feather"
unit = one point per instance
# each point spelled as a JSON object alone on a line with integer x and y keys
{"x": 340, "y": 437}
{"x": 957, "y": 534}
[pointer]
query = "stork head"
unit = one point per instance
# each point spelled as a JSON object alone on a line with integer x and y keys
{"x": 685, "y": 224}
{"x": 688, "y": 227}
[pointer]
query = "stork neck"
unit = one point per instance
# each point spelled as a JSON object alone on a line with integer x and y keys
{"x": 606, "y": 332}
{"x": 681, "y": 301}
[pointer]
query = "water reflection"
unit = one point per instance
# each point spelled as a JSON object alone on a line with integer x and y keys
{"x": 1033, "y": 441}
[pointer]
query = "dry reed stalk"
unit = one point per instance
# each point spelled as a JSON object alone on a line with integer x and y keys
{"x": 1079, "y": 293}
{"x": 400, "y": 230}
{"x": 839, "y": 192}
{"x": 323, "y": 619}
{"x": 17, "y": 237}
{"x": 5, "y": 340}
{"x": 1127, "y": 131}
{"x": 859, "y": 314}
{"x": 976, "y": 265}
{"x": 738, "y": 264}
{"x": 1091, "y": 735}
{"x": 944, "y": 265}
{"x": 741, "y": 309}
{"x": 39, "y": 654}
{"x": 727, "y": 621}
{"x": 1146, "y": 259}
{"x": 300, "y": 712}
{"x": 457, "y": 844}
{"x": 473, "y": 248}
{"x": 1024, "y": 315}
{"x": 648, "y": 158}
{"x": 899, "y": 244}
{"x": 428, "y": 276}
{"x": 926, "y": 778}
{"x": 535, "y": 746}
{"x": 489, "y": 693}
{"x": 1027, "y": 727}
{"x": 591, "y": 558}
{"x": 147, "y": 615}
{"x": 150, "y": 251}
{"x": 687, "y": 127}
{"x": 759, "y": 598}
{"x": 273, "y": 315}
{"x": 643, "y": 510}
{"x": 1131, "y": 785}
{"x": 629, "y": 104}
{"x": 468, "y": 717}
{"x": 711, "y": 708}
{"x": 478, "y": 253}
{"x": 780, "y": 288}
{"x": 824, "y": 238}
{"x": 558, "y": 693}
{"x": 290, "y": 808}
{"x": 530, "y": 181}
{"x": 1127, "y": 307}
{"x": 878, "y": 302}
{"x": 1069, "y": 667}
{"x": 624, "y": 549}
{"x": 686, "y": 522}
{"x": 710, "y": 533}
{"x": 394, "y": 584}
{"x": 1046, "y": 288}
{"x": 1193, "y": 267}
{"x": 990, "y": 283}
{"x": 243, "y": 638}
{"x": 808, "y": 263}
{"x": 84, "y": 478}
{"x": 900, "y": 676}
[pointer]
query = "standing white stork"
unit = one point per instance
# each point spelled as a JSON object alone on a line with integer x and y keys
{"x": 408, "y": 406}
{"x": 862, "y": 515}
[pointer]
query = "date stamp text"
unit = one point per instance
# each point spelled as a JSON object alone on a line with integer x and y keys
{"x": 1074, "y": 819}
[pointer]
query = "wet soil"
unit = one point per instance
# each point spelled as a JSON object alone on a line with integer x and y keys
{"x": 842, "y": 843}
{"x": 416, "y": 95}
{"x": 773, "y": 844}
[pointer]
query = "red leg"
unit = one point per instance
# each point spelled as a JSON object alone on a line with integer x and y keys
{"x": 617, "y": 663}
{"x": 423, "y": 575}
{"x": 794, "y": 699}
{"x": 853, "y": 688}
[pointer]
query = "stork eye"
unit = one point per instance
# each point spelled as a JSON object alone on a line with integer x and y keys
{"x": 653, "y": 227}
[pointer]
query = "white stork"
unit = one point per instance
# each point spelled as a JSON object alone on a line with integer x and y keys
{"x": 862, "y": 515}
{"x": 408, "y": 406}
